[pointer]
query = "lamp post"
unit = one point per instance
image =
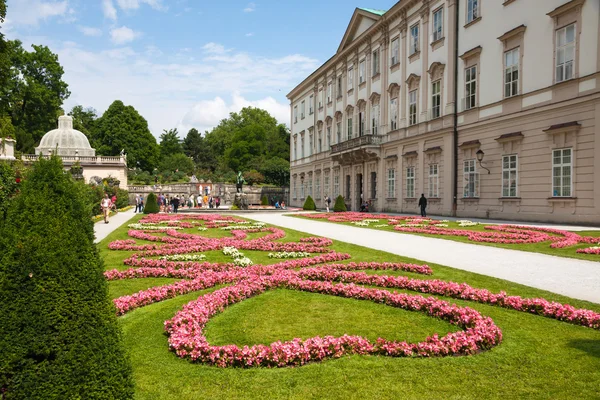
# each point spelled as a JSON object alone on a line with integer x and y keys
{"x": 480, "y": 154}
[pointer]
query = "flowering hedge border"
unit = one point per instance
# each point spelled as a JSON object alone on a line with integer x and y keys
{"x": 187, "y": 339}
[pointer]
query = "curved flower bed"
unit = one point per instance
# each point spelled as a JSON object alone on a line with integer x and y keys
{"x": 318, "y": 269}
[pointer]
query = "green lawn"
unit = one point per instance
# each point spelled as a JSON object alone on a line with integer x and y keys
{"x": 538, "y": 358}
{"x": 542, "y": 247}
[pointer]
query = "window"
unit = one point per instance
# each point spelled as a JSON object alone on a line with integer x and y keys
{"x": 339, "y": 87}
{"x": 509, "y": 176}
{"x": 376, "y": 62}
{"x": 349, "y": 128}
{"x": 434, "y": 181}
{"x": 562, "y": 170}
{"x": 328, "y": 137}
{"x": 361, "y": 72}
{"x": 414, "y": 39}
{"x": 361, "y": 124}
{"x": 329, "y": 94}
{"x": 435, "y": 99}
{"x": 320, "y": 98}
{"x": 320, "y": 141}
{"x": 391, "y": 183}
{"x": 310, "y": 186}
{"x": 336, "y": 185}
{"x": 348, "y": 186}
{"x": 350, "y": 78}
{"x": 310, "y": 144}
{"x": 295, "y": 114}
{"x": 302, "y": 109}
{"x": 302, "y": 145}
{"x": 395, "y": 51}
{"x": 310, "y": 104}
{"x": 393, "y": 114}
{"x": 471, "y": 188}
{"x": 412, "y": 107}
{"x": 318, "y": 187}
{"x": 511, "y": 73}
{"x": 375, "y": 119}
{"x": 326, "y": 184}
{"x": 470, "y": 87}
{"x": 472, "y": 10}
{"x": 565, "y": 52}
{"x": 339, "y": 132}
{"x": 294, "y": 189}
{"x": 410, "y": 182}
{"x": 438, "y": 24}
{"x": 295, "y": 150}
{"x": 301, "y": 188}
{"x": 373, "y": 185}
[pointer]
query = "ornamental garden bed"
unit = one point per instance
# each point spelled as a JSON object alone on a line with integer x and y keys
{"x": 583, "y": 245}
{"x": 311, "y": 318}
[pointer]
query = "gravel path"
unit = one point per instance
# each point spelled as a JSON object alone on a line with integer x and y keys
{"x": 570, "y": 277}
{"x": 102, "y": 230}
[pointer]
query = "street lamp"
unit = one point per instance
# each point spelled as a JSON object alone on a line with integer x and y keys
{"x": 480, "y": 154}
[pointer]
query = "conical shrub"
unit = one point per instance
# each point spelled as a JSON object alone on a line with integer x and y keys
{"x": 340, "y": 204}
{"x": 59, "y": 336}
{"x": 264, "y": 201}
{"x": 309, "y": 204}
{"x": 151, "y": 206}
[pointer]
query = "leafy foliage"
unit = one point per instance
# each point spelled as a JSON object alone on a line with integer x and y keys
{"x": 177, "y": 162}
{"x": 253, "y": 177}
{"x": 151, "y": 205}
{"x": 122, "y": 127}
{"x": 8, "y": 186}
{"x": 59, "y": 337}
{"x": 264, "y": 200}
{"x": 309, "y": 204}
{"x": 169, "y": 143}
{"x": 276, "y": 171}
{"x": 340, "y": 204}
{"x": 84, "y": 120}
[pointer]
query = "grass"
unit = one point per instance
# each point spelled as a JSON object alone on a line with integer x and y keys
{"x": 538, "y": 358}
{"x": 542, "y": 247}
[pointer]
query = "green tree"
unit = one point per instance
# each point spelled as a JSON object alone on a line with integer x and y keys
{"x": 59, "y": 336}
{"x": 151, "y": 206}
{"x": 340, "y": 204}
{"x": 309, "y": 204}
{"x": 177, "y": 162}
{"x": 123, "y": 128}
{"x": 170, "y": 143}
{"x": 276, "y": 171}
{"x": 248, "y": 144}
{"x": 33, "y": 93}
{"x": 84, "y": 120}
{"x": 197, "y": 147}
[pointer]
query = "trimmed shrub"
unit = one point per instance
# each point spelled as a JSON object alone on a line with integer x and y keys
{"x": 309, "y": 204}
{"x": 340, "y": 204}
{"x": 8, "y": 186}
{"x": 264, "y": 201}
{"x": 59, "y": 335}
{"x": 151, "y": 205}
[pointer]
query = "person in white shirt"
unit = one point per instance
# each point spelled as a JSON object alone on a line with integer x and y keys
{"x": 106, "y": 204}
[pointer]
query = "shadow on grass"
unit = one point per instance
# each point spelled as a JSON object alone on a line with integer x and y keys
{"x": 590, "y": 346}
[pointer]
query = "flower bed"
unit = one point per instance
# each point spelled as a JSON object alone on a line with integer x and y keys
{"x": 320, "y": 273}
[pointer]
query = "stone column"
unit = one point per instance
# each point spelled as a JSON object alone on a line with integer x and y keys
{"x": 450, "y": 36}
{"x": 403, "y": 100}
{"x": 384, "y": 101}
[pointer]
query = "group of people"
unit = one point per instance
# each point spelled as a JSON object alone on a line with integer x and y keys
{"x": 107, "y": 204}
{"x": 173, "y": 203}
{"x": 280, "y": 205}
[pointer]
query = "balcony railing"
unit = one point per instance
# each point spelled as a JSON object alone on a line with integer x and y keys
{"x": 81, "y": 159}
{"x": 366, "y": 140}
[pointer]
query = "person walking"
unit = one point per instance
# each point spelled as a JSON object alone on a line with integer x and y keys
{"x": 199, "y": 201}
{"x": 217, "y": 202}
{"x": 423, "y": 205}
{"x": 137, "y": 203}
{"x": 327, "y": 202}
{"x": 175, "y": 204}
{"x": 105, "y": 204}
{"x": 141, "y": 203}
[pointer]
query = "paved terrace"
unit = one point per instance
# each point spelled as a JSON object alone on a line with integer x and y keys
{"x": 102, "y": 230}
{"x": 570, "y": 277}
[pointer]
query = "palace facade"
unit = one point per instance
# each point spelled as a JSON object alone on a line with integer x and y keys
{"x": 490, "y": 108}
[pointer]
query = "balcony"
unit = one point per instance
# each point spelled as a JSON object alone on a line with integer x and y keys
{"x": 356, "y": 150}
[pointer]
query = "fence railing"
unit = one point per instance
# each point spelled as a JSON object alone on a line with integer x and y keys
{"x": 366, "y": 140}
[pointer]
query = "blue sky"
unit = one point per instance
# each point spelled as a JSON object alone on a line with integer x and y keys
{"x": 184, "y": 63}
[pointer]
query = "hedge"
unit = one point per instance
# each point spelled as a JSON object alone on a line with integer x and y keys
{"x": 264, "y": 200}
{"x": 340, "y": 204}
{"x": 309, "y": 204}
{"x": 151, "y": 205}
{"x": 59, "y": 335}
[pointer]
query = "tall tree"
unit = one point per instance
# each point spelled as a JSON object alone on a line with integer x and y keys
{"x": 196, "y": 146}
{"x": 170, "y": 143}
{"x": 33, "y": 93}
{"x": 84, "y": 119}
{"x": 123, "y": 128}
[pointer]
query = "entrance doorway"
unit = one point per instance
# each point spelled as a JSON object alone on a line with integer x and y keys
{"x": 359, "y": 191}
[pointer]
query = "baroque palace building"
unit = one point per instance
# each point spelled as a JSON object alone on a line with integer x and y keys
{"x": 488, "y": 107}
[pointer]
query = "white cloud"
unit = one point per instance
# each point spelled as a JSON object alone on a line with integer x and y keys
{"x": 123, "y": 35}
{"x": 250, "y": 7}
{"x": 206, "y": 114}
{"x": 31, "y": 12}
{"x": 249, "y": 34}
{"x": 90, "y": 31}
{"x": 135, "y": 4}
{"x": 109, "y": 10}
{"x": 214, "y": 48}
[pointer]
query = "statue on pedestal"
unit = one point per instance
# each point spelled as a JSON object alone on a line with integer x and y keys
{"x": 239, "y": 182}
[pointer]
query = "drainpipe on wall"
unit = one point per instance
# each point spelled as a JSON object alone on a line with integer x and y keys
{"x": 455, "y": 131}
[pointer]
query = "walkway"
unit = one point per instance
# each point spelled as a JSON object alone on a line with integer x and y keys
{"x": 102, "y": 230}
{"x": 570, "y": 277}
